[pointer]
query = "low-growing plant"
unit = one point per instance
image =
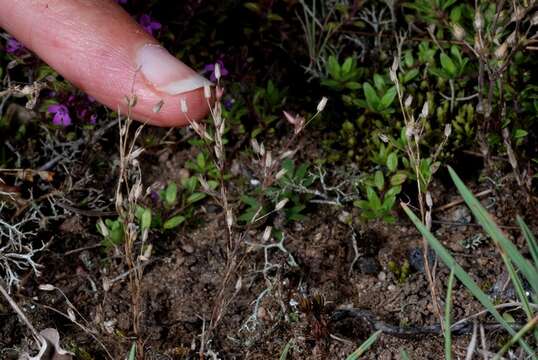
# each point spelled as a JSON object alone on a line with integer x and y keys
{"x": 345, "y": 76}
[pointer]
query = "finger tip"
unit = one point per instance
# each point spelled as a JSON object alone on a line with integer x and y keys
{"x": 167, "y": 111}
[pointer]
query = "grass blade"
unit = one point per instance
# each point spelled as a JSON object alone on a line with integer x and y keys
{"x": 286, "y": 350}
{"x": 364, "y": 346}
{"x": 525, "y": 329}
{"x": 448, "y": 316}
{"x": 132, "y": 352}
{"x": 495, "y": 233}
{"x": 531, "y": 240}
{"x": 404, "y": 355}
{"x": 462, "y": 275}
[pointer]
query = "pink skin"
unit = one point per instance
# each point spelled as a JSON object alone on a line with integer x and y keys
{"x": 93, "y": 44}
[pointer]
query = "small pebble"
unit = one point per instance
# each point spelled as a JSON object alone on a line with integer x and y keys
{"x": 382, "y": 276}
{"x": 189, "y": 249}
{"x": 391, "y": 287}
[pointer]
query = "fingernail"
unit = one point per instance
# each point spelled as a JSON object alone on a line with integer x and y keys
{"x": 167, "y": 73}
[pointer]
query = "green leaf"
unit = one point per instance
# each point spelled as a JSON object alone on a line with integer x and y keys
{"x": 334, "y": 67}
{"x": 448, "y": 65}
{"x": 379, "y": 82}
{"x": 145, "y": 222}
{"x": 372, "y": 99}
{"x": 379, "y": 179}
{"x": 388, "y": 203}
{"x": 355, "y": 355}
{"x": 393, "y": 191}
{"x": 520, "y": 133}
{"x": 388, "y": 98}
{"x": 398, "y": 178}
{"x": 346, "y": 66}
{"x": 250, "y": 201}
{"x": 253, "y": 7}
{"x": 170, "y": 194}
{"x": 173, "y": 222}
{"x": 392, "y": 161}
{"x": 373, "y": 199}
{"x": 194, "y": 197}
{"x": 353, "y": 85}
{"x": 408, "y": 59}
{"x": 410, "y": 75}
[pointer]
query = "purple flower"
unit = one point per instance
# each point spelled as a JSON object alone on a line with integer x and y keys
{"x": 148, "y": 24}
{"x": 121, "y": 1}
{"x": 93, "y": 119}
{"x": 210, "y": 68}
{"x": 61, "y": 115}
{"x": 229, "y": 103}
{"x": 13, "y": 46}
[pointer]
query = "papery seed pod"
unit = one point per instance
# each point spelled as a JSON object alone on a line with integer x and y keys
{"x": 255, "y": 146}
{"x": 511, "y": 40}
{"x": 291, "y": 119}
{"x": 478, "y": 22}
{"x": 229, "y": 218}
{"x": 322, "y": 104}
{"x": 207, "y": 91}
{"x": 267, "y": 233}
{"x": 147, "y": 253}
{"x": 500, "y": 52}
{"x": 287, "y": 154}
{"x": 281, "y": 173}
{"x": 268, "y": 160}
{"x": 217, "y": 71}
{"x": 409, "y": 131}
{"x": 157, "y": 107}
{"x": 425, "y": 110}
{"x": 47, "y": 287}
{"x": 281, "y": 204}
{"x": 384, "y": 138}
{"x": 103, "y": 229}
{"x": 238, "y": 284}
{"x": 71, "y": 315}
{"x": 204, "y": 184}
{"x": 448, "y": 129}
{"x": 183, "y": 105}
{"x": 429, "y": 200}
{"x": 408, "y": 101}
{"x": 458, "y": 32}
